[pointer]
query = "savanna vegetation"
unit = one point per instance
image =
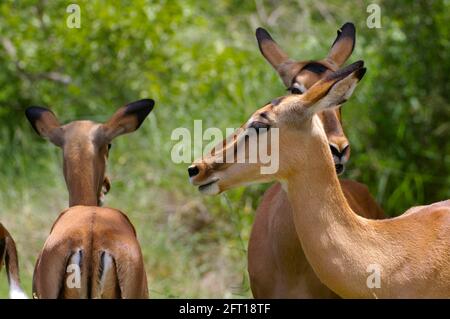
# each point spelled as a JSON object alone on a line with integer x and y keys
{"x": 200, "y": 60}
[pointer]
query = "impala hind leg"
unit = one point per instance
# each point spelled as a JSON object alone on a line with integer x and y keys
{"x": 132, "y": 279}
{"x": 48, "y": 275}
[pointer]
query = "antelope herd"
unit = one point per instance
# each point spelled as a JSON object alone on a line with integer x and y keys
{"x": 314, "y": 235}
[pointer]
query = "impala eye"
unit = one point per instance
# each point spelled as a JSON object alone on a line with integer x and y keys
{"x": 297, "y": 88}
{"x": 109, "y": 146}
{"x": 296, "y": 91}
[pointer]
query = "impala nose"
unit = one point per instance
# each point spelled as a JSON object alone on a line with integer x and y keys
{"x": 339, "y": 168}
{"x": 193, "y": 171}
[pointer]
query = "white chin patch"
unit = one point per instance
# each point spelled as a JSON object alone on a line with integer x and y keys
{"x": 211, "y": 189}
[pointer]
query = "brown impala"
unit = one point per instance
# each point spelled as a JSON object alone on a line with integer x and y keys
{"x": 97, "y": 244}
{"x": 276, "y": 263}
{"x": 8, "y": 255}
{"x": 410, "y": 253}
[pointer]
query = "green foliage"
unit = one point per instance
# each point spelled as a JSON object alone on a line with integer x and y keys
{"x": 405, "y": 131}
{"x": 199, "y": 60}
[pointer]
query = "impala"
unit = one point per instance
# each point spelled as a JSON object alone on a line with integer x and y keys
{"x": 412, "y": 251}
{"x": 97, "y": 244}
{"x": 277, "y": 265}
{"x": 8, "y": 255}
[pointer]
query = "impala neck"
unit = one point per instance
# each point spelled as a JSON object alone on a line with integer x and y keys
{"x": 82, "y": 184}
{"x": 328, "y": 229}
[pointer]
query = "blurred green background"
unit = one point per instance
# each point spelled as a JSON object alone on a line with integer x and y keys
{"x": 200, "y": 60}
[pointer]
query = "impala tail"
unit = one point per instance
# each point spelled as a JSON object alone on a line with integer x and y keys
{"x": 105, "y": 283}
{"x": 91, "y": 275}
{"x": 8, "y": 255}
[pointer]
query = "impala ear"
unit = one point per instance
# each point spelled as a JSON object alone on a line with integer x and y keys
{"x": 343, "y": 45}
{"x": 335, "y": 89}
{"x": 279, "y": 60}
{"x": 270, "y": 49}
{"x": 127, "y": 119}
{"x": 45, "y": 124}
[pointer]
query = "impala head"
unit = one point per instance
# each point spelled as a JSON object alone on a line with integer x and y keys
{"x": 299, "y": 76}
{"x": 85, "y": 146}
{"x": 294, "y": 119}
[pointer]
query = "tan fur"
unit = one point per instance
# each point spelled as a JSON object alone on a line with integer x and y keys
{"x": 412, "y": 251}
{"x": 277, "y": 265}
{"x": 101, "y": 242}
{"x": 103, "y": 230}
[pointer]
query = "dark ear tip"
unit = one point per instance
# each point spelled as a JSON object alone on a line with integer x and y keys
{"x": 259, "y": 29}
{"x": 262, "y": 34}
{"x": 357, "y": 64}
{"x": 354, "y": 67}
{"x": 141, "y": 109}
{"x": 150, "y": 103}
{"x": 360, "y": 73}
{"x": 346, "y": 31}
{"x": 348, "y": 27}
{"x": 34, "y": 112}
{"x": 346, "y": 71}
{"x": 144, "y": 105}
